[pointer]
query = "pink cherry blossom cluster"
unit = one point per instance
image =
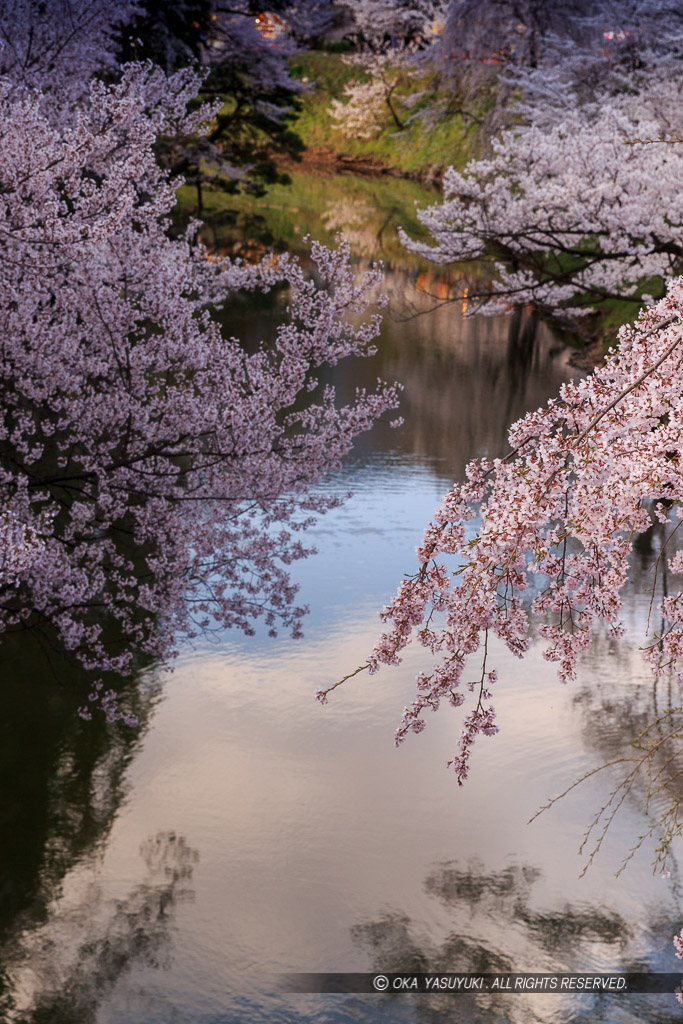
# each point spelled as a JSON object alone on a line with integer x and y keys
{"x": 678, "y": 946}
{"x": 56, "y": 46}
{"x": 20, "y": 545}
{"x": 160, "y": 470}
{"x": 570, "y": 209}
{"x": 586, "y": 474}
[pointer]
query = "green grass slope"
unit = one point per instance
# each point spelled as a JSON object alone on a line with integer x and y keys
{"x": 423, "y": 149}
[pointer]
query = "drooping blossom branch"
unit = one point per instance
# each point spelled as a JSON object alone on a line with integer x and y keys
{"x": 587, "y": 473}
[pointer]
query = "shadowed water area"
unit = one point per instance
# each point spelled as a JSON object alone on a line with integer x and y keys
{"x": 172, "y": 873}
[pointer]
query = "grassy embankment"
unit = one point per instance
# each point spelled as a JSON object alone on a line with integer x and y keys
{"x": 420, "y": 151}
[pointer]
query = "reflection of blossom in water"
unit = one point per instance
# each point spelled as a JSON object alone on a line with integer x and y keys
{"x": 356, "y": 219}
{"x": 61, "y": 972}
{"x": 496, "y": 927}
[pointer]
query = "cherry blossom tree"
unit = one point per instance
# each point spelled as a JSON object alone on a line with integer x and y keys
{"x": 366, "y": 105}
{"x": 555, "y": 55}
{"x": 566, "y": 209}
{"x": 162, "y": 470}
{"x": 56, "y": 46}
{"x": 502, "y": 31}
{"x": 606, "y": 52}
{"x": 534, "y": 34}
{"x": 570, "y": 213}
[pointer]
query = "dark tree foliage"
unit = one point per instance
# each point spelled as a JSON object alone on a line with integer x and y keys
{"x": 170, "y": 33}
{"x": 245, "y": 58}
{"x": 524, "y": 32}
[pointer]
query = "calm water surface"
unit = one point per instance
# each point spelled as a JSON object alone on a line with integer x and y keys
{"x": 247, "y": 831}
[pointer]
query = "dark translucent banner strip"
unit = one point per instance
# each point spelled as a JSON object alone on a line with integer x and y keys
{"x": 472, "y": 983}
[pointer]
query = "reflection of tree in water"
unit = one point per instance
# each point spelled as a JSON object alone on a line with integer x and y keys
{"x": 499, "y": 929}
{"x": 624, "y": 711}
{"x": 72, "y": 964}
{"x": 521, "y": 345}
{"x": 242, "y": 233}
{"x": 465, "y": 379}
{"x": 356, "y": 218}
{"x": 508, "y": 892}
{"x": 62, "y": 779}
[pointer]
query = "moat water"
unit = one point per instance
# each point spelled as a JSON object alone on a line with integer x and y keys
{"x": 245, "y": 831}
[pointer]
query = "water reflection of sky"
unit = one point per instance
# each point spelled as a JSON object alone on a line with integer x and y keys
{"x": 319, "y": 846}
